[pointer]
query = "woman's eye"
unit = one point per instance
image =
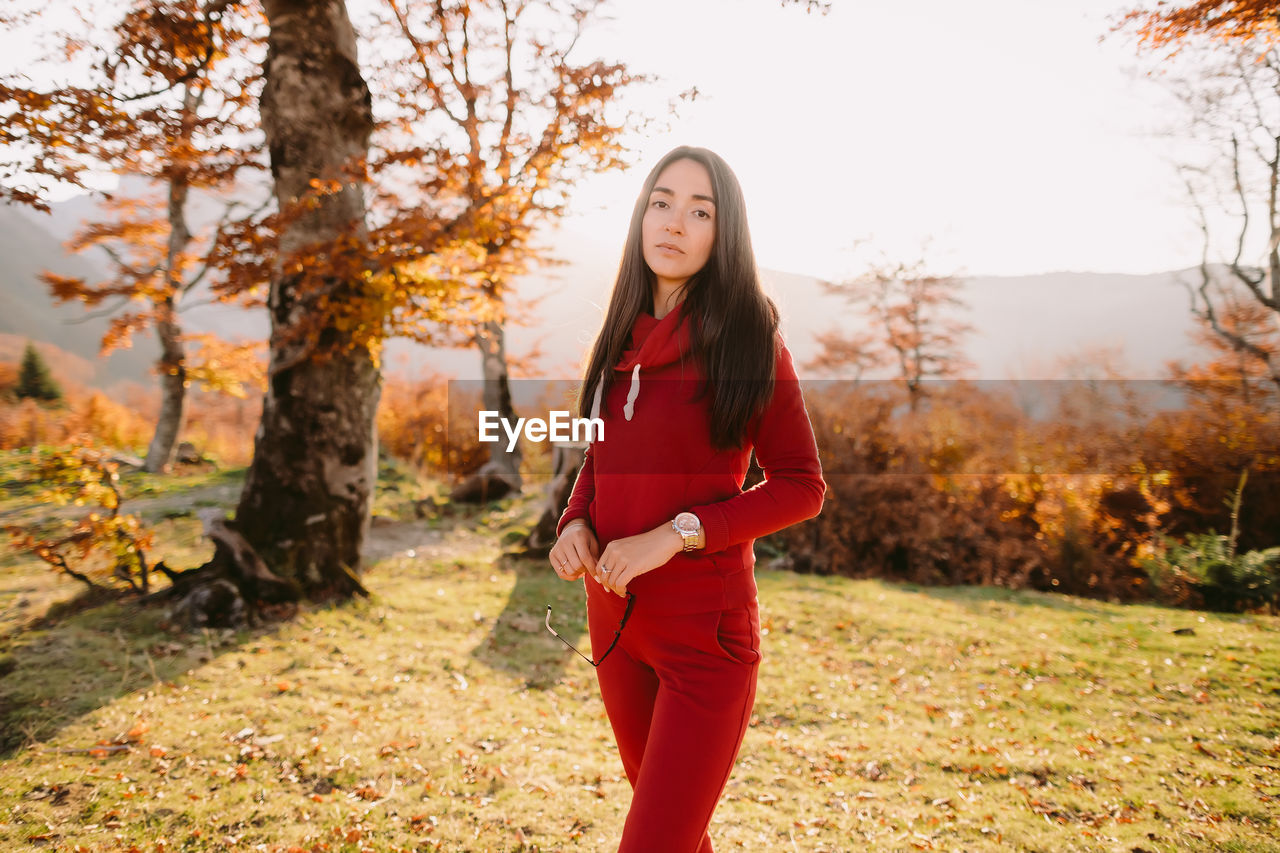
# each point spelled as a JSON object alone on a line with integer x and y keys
{"x": 702, "y": 213}
{"x": 657, "y": 203}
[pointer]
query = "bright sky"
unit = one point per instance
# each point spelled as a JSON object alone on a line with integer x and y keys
{"x": 1001, "y": 129}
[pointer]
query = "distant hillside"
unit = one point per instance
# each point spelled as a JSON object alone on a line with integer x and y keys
{"x": 1025, "y": 326}
{"x": 27, "y": 310}
{"x": 67, "y": 368}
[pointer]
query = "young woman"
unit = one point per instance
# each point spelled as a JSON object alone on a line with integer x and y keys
{"x": 689, "y": 376}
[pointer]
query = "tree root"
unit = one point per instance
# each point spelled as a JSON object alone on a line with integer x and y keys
{"x": 226, "y": 591}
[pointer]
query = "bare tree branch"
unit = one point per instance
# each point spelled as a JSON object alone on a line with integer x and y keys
{"x": 99, "y": 314}
{"x": 127, "y": 267}
{"x": 437, "y": 96}
{"x": 226, "y": 217}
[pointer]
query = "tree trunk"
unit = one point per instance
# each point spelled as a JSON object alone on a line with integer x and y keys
{"x": 306, "y": 502}
{"x": 173, "y": 391}
{"x": 502, "y": 464}
{"x": 173, "y": 358}
{"x": 500, "y": 476}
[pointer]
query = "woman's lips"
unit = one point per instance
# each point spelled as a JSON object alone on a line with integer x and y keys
{"x": 667, "y": 247}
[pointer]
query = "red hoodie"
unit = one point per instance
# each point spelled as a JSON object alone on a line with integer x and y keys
{"x": 656, "y": 460}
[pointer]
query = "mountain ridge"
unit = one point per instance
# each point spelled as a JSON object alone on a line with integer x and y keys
{"x": 1024, "y": 324}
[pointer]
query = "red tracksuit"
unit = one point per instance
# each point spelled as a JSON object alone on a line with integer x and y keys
{"x": 680, "y": 685}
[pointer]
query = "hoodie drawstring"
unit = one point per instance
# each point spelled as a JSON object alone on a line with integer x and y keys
{"x": 632, "y": 393}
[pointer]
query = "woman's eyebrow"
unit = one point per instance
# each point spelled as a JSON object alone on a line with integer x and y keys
{"x": 670, "y": 193}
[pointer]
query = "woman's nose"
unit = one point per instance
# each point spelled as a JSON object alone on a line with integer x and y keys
{"x": 673, "y": 224}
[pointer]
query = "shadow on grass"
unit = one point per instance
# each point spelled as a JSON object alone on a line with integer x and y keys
{"x": 979, "y": 599}
{"x": 86, "y": 653}
{"x": 991, "y": 600}
{"x": 518, "y": 643}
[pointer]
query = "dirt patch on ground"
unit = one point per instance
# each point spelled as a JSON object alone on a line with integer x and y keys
{"x": 224, "y": 495}
{"x": 390, "y": 538}
{"x": 215, "y": 494}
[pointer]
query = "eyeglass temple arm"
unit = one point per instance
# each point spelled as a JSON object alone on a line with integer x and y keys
{"x": 566, "y": 642}
{"x": 626, "y": 614}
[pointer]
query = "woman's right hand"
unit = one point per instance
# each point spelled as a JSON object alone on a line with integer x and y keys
{"x": 575, "y": 552}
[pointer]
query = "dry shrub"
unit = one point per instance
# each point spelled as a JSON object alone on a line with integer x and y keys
{"x": 30, "y": 424}
{"x": 430, "y": 422}
{"x": 419, "y": 424}
{"x": 103, "y": 548}
{"x": 8, "y": 380}
{"x": 903, "y": 500}
{"x": 222, "y": 425}
{"x": 124, "y": 417}
{"x": 972, "y": 489}
{"x": 415, "y": 422}
{"x": 1198, "y": 455}
{"x": 1205, "y": 447}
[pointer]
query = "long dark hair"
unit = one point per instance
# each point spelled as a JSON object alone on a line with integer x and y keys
{"x": 732, "y": 323}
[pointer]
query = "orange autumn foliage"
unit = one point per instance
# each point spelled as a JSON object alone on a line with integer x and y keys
{"x": 970, "y": 490}
{"x": 220, "y": 426}
{"x": 417, "y": 421}
{"x": 1226, "y": 20}
{"x": 419, "y": 424}
{"x": 103, "y": 547}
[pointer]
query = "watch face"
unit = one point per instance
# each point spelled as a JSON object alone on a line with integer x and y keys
{"x": 687, "y": 522}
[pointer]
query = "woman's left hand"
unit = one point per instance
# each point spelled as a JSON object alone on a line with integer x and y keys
{"x": 626, "y": 559}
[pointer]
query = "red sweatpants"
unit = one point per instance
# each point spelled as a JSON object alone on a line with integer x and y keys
{"x": 678, "y": 690}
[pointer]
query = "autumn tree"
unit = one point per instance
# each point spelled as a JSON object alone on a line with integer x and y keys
{"x": 1234, "y": 376}
{"x": 179, "y": 79}
{"x": 1222, "y": 63}
{"x": 455, "y": 178}
{"x": 409, "y": 223}
{"x": 845, "y": 353}
{"x": 913, "y": 330}
{"x": 305, "y": 504}
{"x": 307, "y": 494}
{"x": 506, "y": 124}
{"x": 36, "y": 121}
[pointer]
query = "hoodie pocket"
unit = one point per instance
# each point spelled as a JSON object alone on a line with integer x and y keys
{"x": 738, "y": 635}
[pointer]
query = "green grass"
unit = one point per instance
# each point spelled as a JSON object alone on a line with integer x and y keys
{"x": 440, "y": 715}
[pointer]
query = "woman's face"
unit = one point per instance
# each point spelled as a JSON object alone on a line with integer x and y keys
{"x": 679, "y": 225}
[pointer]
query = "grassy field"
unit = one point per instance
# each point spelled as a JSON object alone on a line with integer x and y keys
{"x": 440, "y": 715}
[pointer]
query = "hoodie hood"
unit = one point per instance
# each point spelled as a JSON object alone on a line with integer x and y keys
{"x": 654, "y": 343}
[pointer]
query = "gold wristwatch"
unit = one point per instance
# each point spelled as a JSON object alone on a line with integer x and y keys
{"x": 689, "y": 526}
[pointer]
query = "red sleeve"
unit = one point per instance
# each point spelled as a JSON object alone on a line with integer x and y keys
{"x": 584, "y": 491}
{"x": 792, "y": 489}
